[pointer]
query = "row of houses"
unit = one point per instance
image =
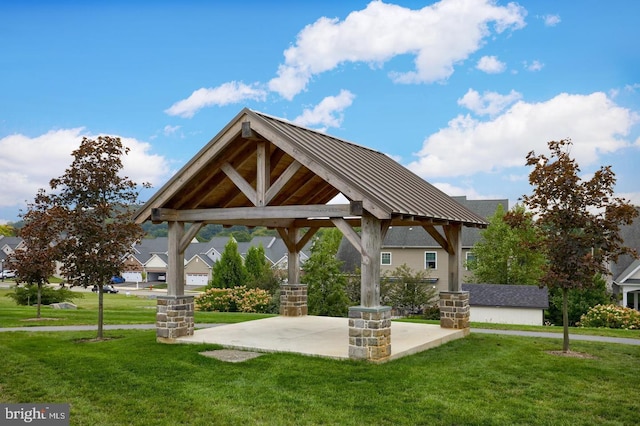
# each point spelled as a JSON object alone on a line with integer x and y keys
{"x": 148, "y": 260}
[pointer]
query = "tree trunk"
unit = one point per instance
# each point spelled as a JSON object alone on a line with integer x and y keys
{"x": 39, "y": 299}
{"x": 565, "y": 320}
{"x": 100, "y": 312}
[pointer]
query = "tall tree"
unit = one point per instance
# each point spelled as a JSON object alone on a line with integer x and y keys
{"x": 40, "y": 233}
{"x": 324, "y": 278}
{"x": 508, "y": 250}
{"x": 229, "y": 271}
{"x": 580, "y": 220}
{"x": 92, "y": 202}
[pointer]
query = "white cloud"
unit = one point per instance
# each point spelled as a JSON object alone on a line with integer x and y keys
{"x": 457, "y": 191}
{"x": 491, "y": 103}
{"x": 491, "y": 65}
{"x": 170, "y": 130}
{"x": 467, "y": 146}
{"x": 631, "y": 197}
{"x": 328, "y": 113}
{"x": 28, "y": 164}
{"x": 533, "y": 66}
{"x": 439, "y": 35}
{"x": 227, "y": 93}
{"x": 551, "y": 20}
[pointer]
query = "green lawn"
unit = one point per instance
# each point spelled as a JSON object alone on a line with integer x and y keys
{"x": 118, "y": 309}
{"x": 482, "y": 379}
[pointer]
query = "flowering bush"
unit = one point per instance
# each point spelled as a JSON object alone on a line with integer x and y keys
{"x": 611, "y": 316}
{"x": 236, "y": 299}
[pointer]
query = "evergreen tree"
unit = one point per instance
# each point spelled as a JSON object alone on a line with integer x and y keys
{"x": 322, "y": 273}
{"x": 229, "y": 271}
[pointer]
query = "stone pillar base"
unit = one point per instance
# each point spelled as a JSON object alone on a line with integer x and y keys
{"x": 454, "y": 309}
{"x": 370, "y": 333}
{"x": 174, "y": 318}
{"x": 293, "y": 300}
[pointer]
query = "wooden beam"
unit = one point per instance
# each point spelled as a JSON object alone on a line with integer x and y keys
{"x": 240, "y": 182}
{"x": 240, "y": 213}
{"x": 438, "y": 237}
{"x": 195, "y": 165}
{"x": 189, "y": 235}
{"x": 283, "y": 142}
{"x": 282, "y": 181}
{"x": 454, "y": 239}
{"x": 263, "y": 174}
{"x": 370, "y": 266}
{"x": 348, "y": 232}
{"x": 247, "y": 132}
{"x": 306, "y": 238}
{"x": 175, "y": 258}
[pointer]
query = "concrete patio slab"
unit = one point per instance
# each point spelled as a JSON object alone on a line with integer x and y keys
{"x": 318, "y": 336}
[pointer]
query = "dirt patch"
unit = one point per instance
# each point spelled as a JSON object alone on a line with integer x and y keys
{"x": 572, "y": 354}
{"x": 231, "y": 355}
{"x": 97, "y": 339}
{"x": 40, "y": 319}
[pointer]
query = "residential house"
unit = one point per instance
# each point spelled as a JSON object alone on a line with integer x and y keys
{"x": 8, "y": 246}
{"x": 626, "y": 271}
{"x": 414, "y": 247}
{"x": 148, "y": 259}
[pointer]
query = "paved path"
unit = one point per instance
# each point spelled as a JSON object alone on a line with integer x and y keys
{"x": 546, "y": 334}
{"x": 543, "y": 334}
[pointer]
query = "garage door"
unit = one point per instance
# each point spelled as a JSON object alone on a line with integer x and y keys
{"x": 197, "y": 279}
{"x": 132, "y": 277}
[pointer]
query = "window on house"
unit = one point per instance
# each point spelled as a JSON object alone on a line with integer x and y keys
{"x": 385, "y": 258}
{"x": 471, "y": 257}
{"x": 430, "y": 260}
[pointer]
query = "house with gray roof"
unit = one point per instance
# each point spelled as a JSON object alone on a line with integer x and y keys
{"x": 148, "y": 261}
{"x": 626, "y": 271}
{"x": 415, "y": 247}
{"x": 507, "y": 304}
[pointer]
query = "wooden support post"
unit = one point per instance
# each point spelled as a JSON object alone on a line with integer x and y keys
{"x": 290, "y": 236}
{"x": 175, "y": 268}
{"x": 371, "y": 239}
{"x": 454, "y": 241}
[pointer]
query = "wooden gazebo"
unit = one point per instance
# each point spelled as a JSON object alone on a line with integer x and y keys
{"x": 264, "y": 171}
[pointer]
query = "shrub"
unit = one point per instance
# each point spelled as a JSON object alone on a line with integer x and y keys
{"x": 611, "y": 316}
{"x": 236, "y": 299}
{"x": 28, "y": 295}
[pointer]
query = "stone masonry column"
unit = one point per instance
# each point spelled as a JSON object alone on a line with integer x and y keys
{"x": 370, "y": 333}
{"x": 454, "y": 309}
{"x": 174, "y": 318}
{"x": 293, "y": 300}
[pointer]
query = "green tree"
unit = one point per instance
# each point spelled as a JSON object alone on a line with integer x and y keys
{"x": 579, "y": 301}
{"x": 92, "y": 203}
{"x": 508, "y": 251}
{"x": 322, "y": 273}
{"x": 260, "y": 274}
{"x": 580, "y": 221}
{"x": 40, "y": 233}
{"x": 229, "y": 271}
{"x": 7, "y": 230}
{"x": 407, "y": 290}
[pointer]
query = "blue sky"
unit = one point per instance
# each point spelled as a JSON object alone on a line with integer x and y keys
{"x": 459, "y": 91}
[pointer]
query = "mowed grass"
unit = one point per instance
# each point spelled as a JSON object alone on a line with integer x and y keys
{"x": 118, "y": 309}
{"x": 479, "y": 380}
